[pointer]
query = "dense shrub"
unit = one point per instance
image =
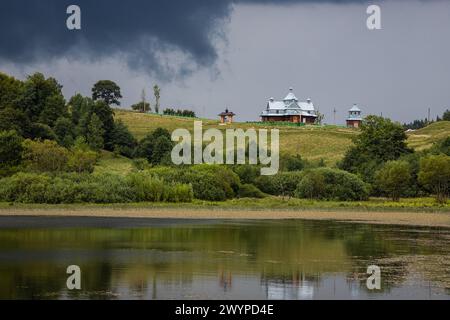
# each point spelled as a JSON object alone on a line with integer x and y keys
{"x": 281, "y": 184}
{"x": 46, "y": 156}
{"x": 209, "y": 182}
{"x": 247, "y": 173}
{"x": 90, "y": 188}
{"x": 331, "y": 184}
{"x": 250, "y": 191}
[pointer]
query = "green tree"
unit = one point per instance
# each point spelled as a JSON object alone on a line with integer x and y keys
{"x": 157, "y": 93}
{"x": 446, "y": 115}
{"x": 434, "y": 175}
{"x": 380, "y": 140}
{"x": 146, "y": 146}
{"x": 123, "y": 141}
{"x": 55, "y": 107}
{"x": 95, "y": 133}
{"x": 14, "y": 119}
{"x": 10, "y": 91}
{"x": 161, "y": 150}
{"x": 107, "y": 91}
{"x": 64, "y": 131}
{"x": 141, "y": 107}
{"x": 106, "y": 115}
{"x": 10, "y": 149}
{"x": 36, "y": 93}
{"x": 394, "y": 178}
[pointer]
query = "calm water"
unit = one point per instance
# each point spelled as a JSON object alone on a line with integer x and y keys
{"x": 182, "y": 259}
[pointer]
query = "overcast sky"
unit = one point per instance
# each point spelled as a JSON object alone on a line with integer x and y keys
{"x": 209, "y": 55}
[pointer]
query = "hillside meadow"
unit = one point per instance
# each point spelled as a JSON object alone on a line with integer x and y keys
{"x": 312, "y": 142}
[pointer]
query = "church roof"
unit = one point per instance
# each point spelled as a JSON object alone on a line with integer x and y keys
{"x": 355, "y": 108}
{"x": 290, "y": 95}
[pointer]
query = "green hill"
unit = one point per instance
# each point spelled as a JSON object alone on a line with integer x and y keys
{"x": 424, "y": 138}
{"x": 311, "y": 142}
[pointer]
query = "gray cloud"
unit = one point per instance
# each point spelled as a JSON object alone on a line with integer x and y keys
{"x": 144, "y": 32}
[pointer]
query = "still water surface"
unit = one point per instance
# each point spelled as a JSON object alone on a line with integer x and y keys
{"x": 212, "y": 259}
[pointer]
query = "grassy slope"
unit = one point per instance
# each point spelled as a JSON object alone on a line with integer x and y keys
{"x": 110, "y": 163}
{"x": 313, "y": 143}
{"x": 424, "y": 138}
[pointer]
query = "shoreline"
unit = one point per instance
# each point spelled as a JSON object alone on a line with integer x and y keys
{"x": 422, "y": 219}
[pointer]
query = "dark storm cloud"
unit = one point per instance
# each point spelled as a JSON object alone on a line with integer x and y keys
{"x": 143, "y": 31}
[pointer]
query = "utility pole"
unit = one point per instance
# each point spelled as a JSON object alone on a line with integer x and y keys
{"x": 429, "y": 114}
{"x": 334, "y": 116}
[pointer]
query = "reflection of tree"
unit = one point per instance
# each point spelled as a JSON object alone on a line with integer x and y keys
{"x": 287, "y": 253}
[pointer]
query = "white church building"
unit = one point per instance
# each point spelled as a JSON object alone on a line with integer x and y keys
{"x": 290, "y": 109}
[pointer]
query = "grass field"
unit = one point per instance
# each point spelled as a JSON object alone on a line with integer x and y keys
{"x": 424, "y": 138}
{"x": 311, "y": 142}
{"x": 111, "y": 163}
{"x": 269, "y": 203}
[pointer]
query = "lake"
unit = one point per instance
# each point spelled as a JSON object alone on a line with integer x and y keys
{"x": 220, "y": 259}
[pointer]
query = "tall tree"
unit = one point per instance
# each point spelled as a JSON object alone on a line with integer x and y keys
{"x": 36, "y": 94}
{"x": 106, "y": 116}
{"x": 107, "y": 91}
{"x": 95, "y": 133}
{"x": 157, "y": 93}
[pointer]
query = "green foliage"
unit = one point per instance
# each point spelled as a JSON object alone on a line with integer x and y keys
{"x": 442, "y": 146}
{"x": 331, "y": 184}
{"x": 55, "y": 107}
{"x": 250, "y": 191}
{"x": 82, "y": 160}
{"x": 10, "y": 91}
{"x": 141, "y": 164}
{"x": 106, "y": 115}
{"x": 247, "y": 173}
{"x": 108, "y": 91}
{"x": 46, "y": 156}
{"x": 209, "y": 182}
{"x": 95, "y": 133}
{"x": 380, "y": 140}
{"x": 446, "y": 115}
{"x": 290, "y": 162}
{"x": 14, "y": 119}
{"x": 41, "y": 96}
{"x": 64, "y": 131}
{"x": 42, "y": 131}
{"x": 281, "y": 184}
{"x": 122, "y": 139}
{"x": 141, "y": 107}
{"x": 155, "y": 147}
{"x": 10, "y": 151}
{"x": 90, "y": 188}
{"x": 394, "y": 178}
{"x": 179, "y": 113}
{"x": 434, "y": 175}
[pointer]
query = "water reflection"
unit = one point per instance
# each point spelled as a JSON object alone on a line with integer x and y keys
{"x": 282, "y": 259}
